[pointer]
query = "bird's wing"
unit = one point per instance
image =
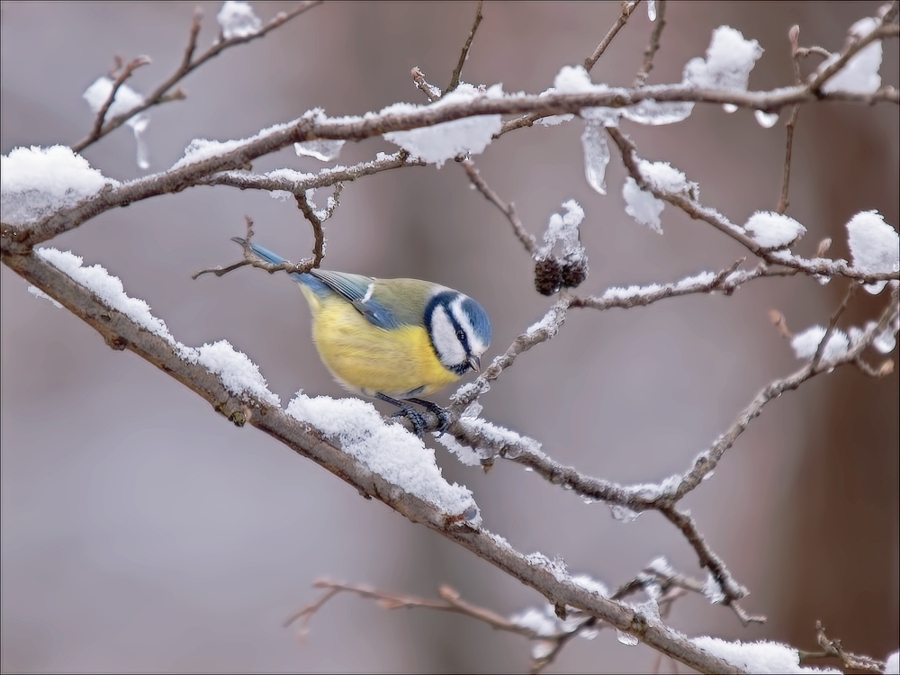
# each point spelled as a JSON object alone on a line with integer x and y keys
{"x": 358, "y": 291}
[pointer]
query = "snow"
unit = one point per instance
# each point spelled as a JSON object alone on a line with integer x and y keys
{"x": 386, "y": 449}
{"x": 892, "y": 665}
{"x": 701, "y": 279}
{"x": 652, "y": 491}
{"x": 126, "y": 99}
{"x": 591, "y": 585}
{"x": 886, "y": 340}
{"x": 496, "y": 437}
{"x": 773, "y": 230}
{"x": 661, "y": 566}
{"x": 441, "y": 142}
{"x": 38, "y": 182}
{"x": 323, "y": 149}
{"x": 729, "y": 60}
{"x": 763, "y": 658}
{"x": 554, "y": 120}
{"x": 551, "y": 321}
{"x": 538, "y": 620}
{"x": 642, "y": 205}
{"x": 806, "y": 343}
{"x": 556, "y": 567}
{"x": 575, "y": 80}
{"x": 237, "y": 373}
{"x": 860, "y": 73}
{"x": 38, "y": 293}
{"x": 201, "y": 149}
{"x": 874, "y": 245}
{"x": 564, "y": 228}
{"x": 237, "y": 20}
{"x": 663, "y": 176}
{"x": 712, "y": 589}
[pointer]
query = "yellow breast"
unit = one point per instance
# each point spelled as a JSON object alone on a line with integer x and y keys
{"x": 366, "y": 359}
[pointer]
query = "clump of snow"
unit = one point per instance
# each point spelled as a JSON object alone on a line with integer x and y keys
{"x": 574, "y": 80}
{"x": 437, "y": 144}
{"x": 554, "y": 120}
{"x": 386, "y": 449}
{"x": 126, "y": 99}
{"x": 663, "y": 176}
{"x": 886, "y": 340}
{"x": 651, "y": 491}
{"x": 712, "y": 589}
{"x": 642, "y": 205}
{"x": 108, "y": 288}
{"x": 729, "y": 60}
{"x": 237, "y": 20}
{"x": 860, "y": 73}
{"x": 496, "y": 437}
{"x": 564, "y": 228}
{"x": 892, "y": 665}
{"x": 237, "y": 373}
{"x": 200, "y": 149}
{"x": 874, "y": 245}
{"x": 806, "y": 343}
{"x": 765, "y": 658}
{"x": 323, "y": 149}
{"x": 773, "y": 230}
{"x": 588, "y": 583}
{"x": 38, "y": 182}
{"x": 661, "y": 566}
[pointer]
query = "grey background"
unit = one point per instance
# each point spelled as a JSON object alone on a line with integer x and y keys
{"x": 140, "y": 531}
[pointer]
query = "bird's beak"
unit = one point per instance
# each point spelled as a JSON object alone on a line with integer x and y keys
{"x": 474, "y": 362}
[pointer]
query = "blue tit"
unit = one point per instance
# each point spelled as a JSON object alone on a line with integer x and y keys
{"x": 391, "y": 339}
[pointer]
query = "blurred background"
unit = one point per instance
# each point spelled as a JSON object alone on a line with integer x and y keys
{"x": 142, "y": 532}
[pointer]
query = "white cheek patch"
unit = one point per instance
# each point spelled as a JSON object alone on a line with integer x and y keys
{"x": 443, "y": 335}
{"x": 476, "y": 346}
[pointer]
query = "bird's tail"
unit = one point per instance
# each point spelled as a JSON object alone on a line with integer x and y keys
{"x": 270, "y": 257}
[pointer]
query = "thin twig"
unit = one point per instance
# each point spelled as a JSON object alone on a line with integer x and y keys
{"x": 508, "y": 210}
{"x": 125, "y": 73}
{"x": 833, "y": 649}
{"x": 454, "y": 78}
{"x": 823, "y": 343}
{"x": 884, "y": 30}
{"x": 432, "y": 92}
{"x": 628, "y": 8}
{"x": 188, "y": 65}
{"x": 653, "y": 46}
{"x": 794, "y": 39}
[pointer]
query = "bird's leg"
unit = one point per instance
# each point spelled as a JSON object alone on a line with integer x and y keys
{"x": 413, "y": 415}
{"x": 441, "y": 413}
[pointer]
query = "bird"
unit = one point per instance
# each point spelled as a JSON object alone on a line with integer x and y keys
{"x": 391, "y": 339}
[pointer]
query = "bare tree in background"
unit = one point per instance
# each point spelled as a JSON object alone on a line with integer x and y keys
{"x": 455, "y": 123}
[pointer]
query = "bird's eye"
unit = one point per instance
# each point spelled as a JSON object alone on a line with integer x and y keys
{"x": 461, "y": 336}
